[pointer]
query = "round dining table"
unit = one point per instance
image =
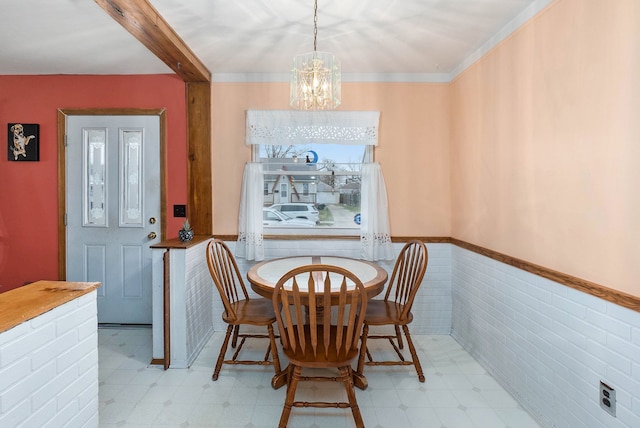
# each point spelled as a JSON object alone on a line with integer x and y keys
{"x": 263, "y": 277}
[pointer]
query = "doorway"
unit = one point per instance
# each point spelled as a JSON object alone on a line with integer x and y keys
{"x": 113, "y": 208}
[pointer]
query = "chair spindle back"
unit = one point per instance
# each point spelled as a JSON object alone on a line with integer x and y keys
{"x": 408, "y": 273}
{"x": 226, "y": 275}
{"x": 310, "y": 307}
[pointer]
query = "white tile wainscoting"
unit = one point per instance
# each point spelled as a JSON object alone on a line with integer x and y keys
{"x": 432, "y": 308}
{"x": 191, "y": 287}
{"x": 191, "y": 293}
{"x": 547, "y": 344}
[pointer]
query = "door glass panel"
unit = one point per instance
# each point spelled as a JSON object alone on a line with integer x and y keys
{"x": 94, "y": 167}
{"x": 131, "y": 178}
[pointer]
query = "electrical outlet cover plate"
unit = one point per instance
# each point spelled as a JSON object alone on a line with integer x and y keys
{"x": 608, "y": 398}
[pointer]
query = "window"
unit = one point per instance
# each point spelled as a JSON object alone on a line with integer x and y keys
{"x": 292, "y": 145}
{"x": 317, "y": 182}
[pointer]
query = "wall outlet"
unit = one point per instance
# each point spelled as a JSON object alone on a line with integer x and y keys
{"x": 608, "y": 398}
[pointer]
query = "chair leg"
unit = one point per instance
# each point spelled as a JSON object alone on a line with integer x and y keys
{"x": 347, "y": 375}
{"x": 294, "y": 377}
{"x": 363, "y": 349}
{"x": 414, "y": 354}
{"x": 236, "y": 332}
{"x": 399, "y": 337}
{"x": 274, "y": 350}
{"x": 223, "y": 351}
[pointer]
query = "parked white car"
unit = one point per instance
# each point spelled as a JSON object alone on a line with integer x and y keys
{"x": 275, "y": 218}
{"x": 298, "y": 210}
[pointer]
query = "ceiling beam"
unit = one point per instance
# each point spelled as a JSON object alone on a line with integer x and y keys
{"x": 145, "y": 23}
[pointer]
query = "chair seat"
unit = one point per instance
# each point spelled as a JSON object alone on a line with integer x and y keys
{"x": 251, "y": 311}
{"x": 380, "y": 312}
{"x": 307, "y": 358}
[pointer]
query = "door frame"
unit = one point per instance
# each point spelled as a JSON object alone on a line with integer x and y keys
{"x": 62, "y": 170}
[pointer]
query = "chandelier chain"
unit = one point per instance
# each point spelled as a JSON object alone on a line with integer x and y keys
{"x": 315, "y": 25}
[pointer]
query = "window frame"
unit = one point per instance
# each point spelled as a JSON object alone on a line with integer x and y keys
{"x": 316, "y": 231}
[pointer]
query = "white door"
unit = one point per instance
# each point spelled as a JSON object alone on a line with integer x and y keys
{"x": 284, "y": 192}
{"x": 113, "y": 210}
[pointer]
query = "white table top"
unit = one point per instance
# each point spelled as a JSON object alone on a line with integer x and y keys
{"x": 266, "y": 274}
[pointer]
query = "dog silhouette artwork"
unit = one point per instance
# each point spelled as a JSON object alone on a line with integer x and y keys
{"x": 20, "y": 141}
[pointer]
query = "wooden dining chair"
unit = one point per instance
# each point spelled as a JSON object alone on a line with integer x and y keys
{"x": 239, "y": 309}
{"x": 319, "y": 310}
{"x": 395, "y": 308}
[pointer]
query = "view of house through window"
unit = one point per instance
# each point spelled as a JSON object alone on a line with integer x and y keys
{"x": 312, "y": 186}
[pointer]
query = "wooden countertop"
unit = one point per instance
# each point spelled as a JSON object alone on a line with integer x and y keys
{"x": 176, "y": 243}
{"x": 29, "y": 301}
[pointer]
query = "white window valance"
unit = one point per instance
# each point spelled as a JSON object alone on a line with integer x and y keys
{"x": 285, "y": 127}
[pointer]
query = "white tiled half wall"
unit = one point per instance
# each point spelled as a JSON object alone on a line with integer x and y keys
{"x": 49, "y": 368}
{"x": 432, "y": 307}
{"x": 547, "y": 344}
{"x": 191, "y": 294}
{"x": 199, "y": 291}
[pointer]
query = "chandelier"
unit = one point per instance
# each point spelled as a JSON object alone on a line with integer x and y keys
{"x": 315, "y": 77}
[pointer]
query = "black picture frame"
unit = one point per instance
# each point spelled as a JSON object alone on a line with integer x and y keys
{"x": 23, "y": 142}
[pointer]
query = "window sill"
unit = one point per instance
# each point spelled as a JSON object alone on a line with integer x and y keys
{"x": 311, "y": 233}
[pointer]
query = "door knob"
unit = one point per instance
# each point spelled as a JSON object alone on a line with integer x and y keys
{"x": 152, "y": 235}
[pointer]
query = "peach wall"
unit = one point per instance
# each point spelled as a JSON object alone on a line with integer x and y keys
{"x": 28, "y": 190}
{"x": 413, "y": 148}
{"x": 545, "y": 143}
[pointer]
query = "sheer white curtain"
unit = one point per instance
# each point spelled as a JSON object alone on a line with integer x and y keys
{"x": 375, "y": 234}
{"x": 250, "y": 244}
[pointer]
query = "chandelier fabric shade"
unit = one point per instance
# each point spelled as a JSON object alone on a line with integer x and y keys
{"x": 315, "y": 77}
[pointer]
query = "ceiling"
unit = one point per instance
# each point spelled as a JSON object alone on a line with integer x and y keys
{"x": 425, "y": 40}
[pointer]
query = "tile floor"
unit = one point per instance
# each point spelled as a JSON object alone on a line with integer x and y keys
{"x": 458, "y": 393}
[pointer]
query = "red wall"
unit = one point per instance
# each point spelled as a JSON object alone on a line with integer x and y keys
{"x": 28, "y": 190}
